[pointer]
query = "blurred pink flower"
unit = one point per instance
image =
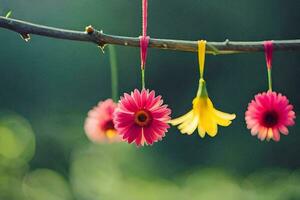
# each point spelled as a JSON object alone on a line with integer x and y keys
{"x": 142, "y": 118}
{"x": 268, "y": 115}
{"x": 99, "y": 125}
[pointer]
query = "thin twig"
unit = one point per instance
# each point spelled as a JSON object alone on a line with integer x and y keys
{"x": 101, "y": 39}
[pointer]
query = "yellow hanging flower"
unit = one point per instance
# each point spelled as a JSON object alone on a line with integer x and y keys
{"x": 203, "y": 115}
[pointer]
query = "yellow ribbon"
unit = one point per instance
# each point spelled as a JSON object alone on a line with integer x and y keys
{"x": 201, "y": 56}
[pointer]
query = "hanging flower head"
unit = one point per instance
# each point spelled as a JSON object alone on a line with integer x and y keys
{"x": 203, "y": 115}
{"x": 99, "y": 125}
{"x": 141, "y": 117}
{"x": 269, "y": 113}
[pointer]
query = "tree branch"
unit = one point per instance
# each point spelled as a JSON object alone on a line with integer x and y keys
{"x": 98, "y": 37}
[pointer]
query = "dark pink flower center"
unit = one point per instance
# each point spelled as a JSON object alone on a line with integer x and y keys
{"x": 109, "y": 125}
{"x": 270, "y": 118}
{"x": 142, "y": 118}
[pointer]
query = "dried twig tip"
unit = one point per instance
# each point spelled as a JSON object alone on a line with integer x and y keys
{"x": 89, "y": 29}
{"x": 102, "y": 47}
{"x": 25, "y": 36}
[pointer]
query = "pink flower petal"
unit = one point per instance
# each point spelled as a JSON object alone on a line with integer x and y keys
{"x": 276, "y": 135}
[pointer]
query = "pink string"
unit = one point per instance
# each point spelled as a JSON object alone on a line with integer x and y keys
{"x": 145, "y": 16}
{"x": 269, "y": 53}
{"x": 144, "y": 39}
{"x": 144, "y": 42}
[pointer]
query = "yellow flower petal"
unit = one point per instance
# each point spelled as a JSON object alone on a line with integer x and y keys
{"x": 210, "y": 125}
{"x": 201, "y": 130}
{"x": 224, "y": 115}
{"x": 181, "y": 119}
{"x": 191, "y": 127}
{"x": 187, "y": 121}
{"x": 222, "y": 122}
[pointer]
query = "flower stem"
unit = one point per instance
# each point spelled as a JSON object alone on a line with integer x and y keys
{"x": 270, "y": 79}
{"x": 143, "y": 78}
{"x": 114, "y": 73}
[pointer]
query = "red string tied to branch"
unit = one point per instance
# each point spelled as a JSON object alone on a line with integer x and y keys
{"x": 269, "y": 53}
{"x": 144, "y": 39}
{"x": 144, "y": 42}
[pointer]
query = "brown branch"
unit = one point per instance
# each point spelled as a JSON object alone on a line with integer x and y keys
{"x": 101, "y": 39}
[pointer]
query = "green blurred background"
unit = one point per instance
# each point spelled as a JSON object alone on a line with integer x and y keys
{"x": 48, "y": 85}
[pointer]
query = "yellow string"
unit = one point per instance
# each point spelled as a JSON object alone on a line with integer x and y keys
{"x": 201, "y": 56}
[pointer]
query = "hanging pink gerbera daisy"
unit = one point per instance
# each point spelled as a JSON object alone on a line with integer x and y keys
{"x": 141, "y": 117}
{"x": 268, "y": 115}
{"x": 99, "y": 125}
